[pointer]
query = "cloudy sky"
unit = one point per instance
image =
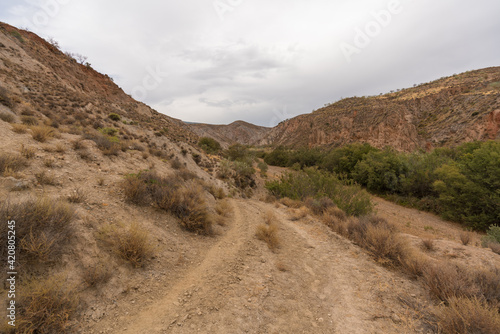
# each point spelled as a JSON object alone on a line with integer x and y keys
{"x": 217, "y": 61}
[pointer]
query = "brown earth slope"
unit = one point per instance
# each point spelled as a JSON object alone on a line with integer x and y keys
{"x": 237, "y": 132}
{"x": 39, "y": 77}
{"x": 448, "y": 111}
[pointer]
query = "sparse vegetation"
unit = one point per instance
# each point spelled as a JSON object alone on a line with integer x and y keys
{"x": 11, "y": 163}
{"x": 19, "y": 128}
{"x": 96, "y": 275}
{"x": 130, "y": 243}
{"x": 209, "y": 145}
{"x": 42, "y": 133}
{"x": 5, "y": 98}
{"x": 114, "y": 117}
{"x": 468, "y": 315}
{"x": 78, "y": 195}
{"x": 318, "y": 184}
{"x": 43, "y": 228}
{"x": 465, "y": 237}
{"x": 7, "y": 117}
{"x": 269, "y": 234}
{"x": 184, "y": 201}
{"x": 29, "y": 120}
{"x": 45, "y": 178}
{"x": 46, "y": 306}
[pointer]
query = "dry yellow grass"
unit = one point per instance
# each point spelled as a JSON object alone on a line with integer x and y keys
{"x": 268, "y": 234}
{"x": 46, "y": 306}
{"x": 42, "y": 133}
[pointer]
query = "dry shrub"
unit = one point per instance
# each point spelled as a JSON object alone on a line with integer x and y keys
{"x": 465, "y": 237}
{"x": 268, "y": 234}
{"x": 49, "y": 162}
{"x": 384, "y": 243}
{"x": 46, "y": 306}
{"x": 446, "y": 280}
{"x": 7, "y": 117}
{"x": 414, "y": 262}
{"x": 299, "y": 214}
{"x": 11, "y": 163}
{"x": 96, "y": 275}
{"x": 176, "y": 163}
{"x": 42, "y": 229}
{"x": 318, "y": 206}
{"x": 29, "y": 120}
{"x": 495, "y": 247}
{"x": 42, "y": 133}
{"x": 135, "y": 190}
{"x": 19, "y": 128}
{"x": 468, "y": 315}
{"x": 186, "y": 174}
{"x": 269, "y": 217}
{"x": 428, "y": 245}
{"x": 190, "y": 208}
{"x": 45, "y": 178}
{"x": 78, "y": 144}
{"x": 223, "y": 208}
{"x": 85, "y": 155}
{"x": 131, "y": 244}
{"x": 291, "y": 203}
{"x": 78, "y": 195}
{"x": 27, "y": 152}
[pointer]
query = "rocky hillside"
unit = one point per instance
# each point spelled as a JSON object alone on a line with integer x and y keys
{"x": 38, "y": 77}
{"x": 237, "y": 132}
{"x": 448, "y": 111}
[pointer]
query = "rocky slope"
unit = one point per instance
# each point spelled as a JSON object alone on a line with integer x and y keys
{"x": 237, "y": 132}
{"x": 448, "y": 111}
{"x": 36, "y": 75}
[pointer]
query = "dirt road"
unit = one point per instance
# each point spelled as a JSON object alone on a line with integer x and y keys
{"x": 315, "y": 282}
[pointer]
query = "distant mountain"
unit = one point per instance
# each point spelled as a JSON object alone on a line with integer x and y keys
{"x": 448, "y": 111}
{"x": 237, "y": 132}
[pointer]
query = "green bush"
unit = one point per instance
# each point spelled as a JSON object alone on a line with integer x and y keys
{"x": 468, "y": 187}
{"x": 238, "y": 152}
{"x": 114, "y": 117}
{"x": 317, "y": 184}
{"x": 209, "y": 145}
{"x": 343, "y": 160}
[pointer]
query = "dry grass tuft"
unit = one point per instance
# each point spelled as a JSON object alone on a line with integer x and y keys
{"x": 299, "y": 214}
{"x": 468, "y": 315}
{"x": 270, "y": 217}
{"x": 495, "y": 247}
{"x": 42, "y": 133}
{"x": 428, "y": 245}
{"x": 465, "y": 237}
{"x": 268, "y": 234}
{"x": 96, "y": 275}
{"x": 291, "y": 203}
{"x": 11, "y": 163}
{"x": 29, "y": 120}
{"x": 46, "y": 306}
{"x": 45, "y": 178}
{"x": 27, "y": 152}
{"x": 42, "y": 230}
{"x": 384, "y": 243}
{"x": 7, "y": 117}
{"x": 224, "y": 208}
{"x": 19, "y": 128}
{"x": 131, "y": 244}
{"x": 136, "y": 190}
{"x": 319, "y": 206}
{"x": 77, "y": 196}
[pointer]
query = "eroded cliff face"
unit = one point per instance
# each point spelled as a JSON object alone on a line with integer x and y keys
{"x": 445, "y": 112}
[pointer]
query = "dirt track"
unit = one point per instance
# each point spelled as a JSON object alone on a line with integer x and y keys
{"x": 315, "y": 282}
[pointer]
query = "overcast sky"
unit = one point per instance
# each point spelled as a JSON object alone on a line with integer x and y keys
{"x": 265, "y": 61}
